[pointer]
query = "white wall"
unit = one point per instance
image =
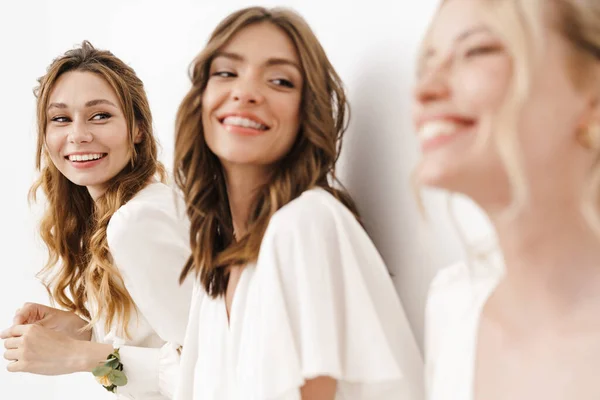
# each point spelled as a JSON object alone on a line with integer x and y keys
{"x": 371, "y": 43}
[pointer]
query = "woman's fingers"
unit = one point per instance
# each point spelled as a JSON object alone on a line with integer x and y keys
{"x": 13, "y": 343}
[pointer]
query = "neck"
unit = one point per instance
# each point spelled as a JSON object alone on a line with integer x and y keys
{"x": 242, "y": 185}
{"x": 96, "y": 191}
{"x": 552, "y": 256}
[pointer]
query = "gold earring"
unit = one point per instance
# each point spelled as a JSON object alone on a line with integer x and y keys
{"x": 590, "y": 137}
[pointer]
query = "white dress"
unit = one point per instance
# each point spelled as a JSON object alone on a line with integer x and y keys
{"x": 456, "y": 298}
{"x": 319, "y": 301}
{"x": 148, "y": 239}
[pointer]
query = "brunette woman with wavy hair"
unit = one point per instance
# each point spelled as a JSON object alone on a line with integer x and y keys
{"x": 315, "y": 314}
{"x": 115, "y": 236}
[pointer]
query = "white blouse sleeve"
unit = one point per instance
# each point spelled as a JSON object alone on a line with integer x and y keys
{"x": 185, "y": 387}
{"x": 330, "y": 308}
{"x": 149, "y": 245}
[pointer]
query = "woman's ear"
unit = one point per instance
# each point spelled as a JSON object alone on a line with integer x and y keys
{"x": 137, "y": 135}
{"x": 588, "y": 134}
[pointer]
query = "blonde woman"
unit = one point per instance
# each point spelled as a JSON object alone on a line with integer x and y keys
{"x": 292, "y": 300}
{"x": 116, "y": 235}
{"x": 508, "y": 113}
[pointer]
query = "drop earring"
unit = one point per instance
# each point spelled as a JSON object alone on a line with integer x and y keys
{"x": 590, "y": 137}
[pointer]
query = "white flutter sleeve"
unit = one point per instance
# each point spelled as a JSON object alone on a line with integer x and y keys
{"x": 329, "y": 308}
{"x": 149, "y": 244}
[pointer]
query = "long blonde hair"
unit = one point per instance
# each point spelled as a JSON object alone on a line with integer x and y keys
{"x": 79, "y": 270}
{"x": 310, "y": 162}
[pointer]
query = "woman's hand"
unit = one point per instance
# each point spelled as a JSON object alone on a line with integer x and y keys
{"x": 66, "y": 322}
{"x": 39, "y": 350}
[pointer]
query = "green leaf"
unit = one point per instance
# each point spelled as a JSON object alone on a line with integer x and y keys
{"x": 118, "y": 378}
{"x": 101, "y": 370}
{"x": 114, "y": 363}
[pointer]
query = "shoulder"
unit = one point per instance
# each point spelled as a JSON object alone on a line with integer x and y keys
{"x": 320, "y": 280}
{"x": 449, "y": 301}
{"x": 313, "y": 208}
{"x": 459, "y": 290}
{"x": 466, "y": 282}
{"x": 316, "y": 234}
{"x": 154, "y": 207}
{"x": 449, "y": 285}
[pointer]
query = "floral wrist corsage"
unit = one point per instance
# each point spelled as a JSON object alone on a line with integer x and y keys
{"x": 110, "y": 374}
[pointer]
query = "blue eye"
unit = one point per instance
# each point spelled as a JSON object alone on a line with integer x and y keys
{"x": 283, "y": 82}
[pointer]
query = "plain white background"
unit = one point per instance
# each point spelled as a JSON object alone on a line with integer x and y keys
{"x": 371, "y": 43}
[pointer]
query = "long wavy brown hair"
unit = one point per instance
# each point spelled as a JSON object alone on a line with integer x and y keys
{"x": 310, "y": 162}
{"x": 80, "y": 272}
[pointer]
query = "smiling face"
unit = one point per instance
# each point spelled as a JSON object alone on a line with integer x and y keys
{"x": 86, "y": 132}
{"x": 251, "y": 104}
{"x": 464, "y": 80}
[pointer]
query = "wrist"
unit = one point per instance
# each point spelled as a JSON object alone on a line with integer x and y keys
{"x": 84, "y": 335}
{"x": 79, "y": 328}
{"x": 90, "y": 355}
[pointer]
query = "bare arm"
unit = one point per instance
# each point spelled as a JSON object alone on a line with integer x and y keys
{"x": 319, "y": 388}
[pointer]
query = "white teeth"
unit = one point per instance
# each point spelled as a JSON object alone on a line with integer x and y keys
{"x": 84, "y": 157}
{"x": 243, "y": 122}
{"x": 435, "y": 129}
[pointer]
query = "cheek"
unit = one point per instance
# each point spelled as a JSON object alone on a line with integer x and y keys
{"x": 54, "y": 142}
{"x": 481, "y": 88}
{"x": 545, "y": 140}
{"x": 205, "y": 115}
{"x": 288, "y": 111}
{"x": 212, "y": 97}
{"x": 207, "y": 128}
{"x": 210, "y": 103}
{"x": 119, "y": 141}
{"x": 114, "y": 138}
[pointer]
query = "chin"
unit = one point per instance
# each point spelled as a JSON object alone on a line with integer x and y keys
{"x": 436, "y": 176}
{"x": 242, "y": 163}
{"x": 238, "y": 157}
{"x": 85, "y": 180}
{"x": 82, "y": 182}
{"x": 481, "y": 185}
